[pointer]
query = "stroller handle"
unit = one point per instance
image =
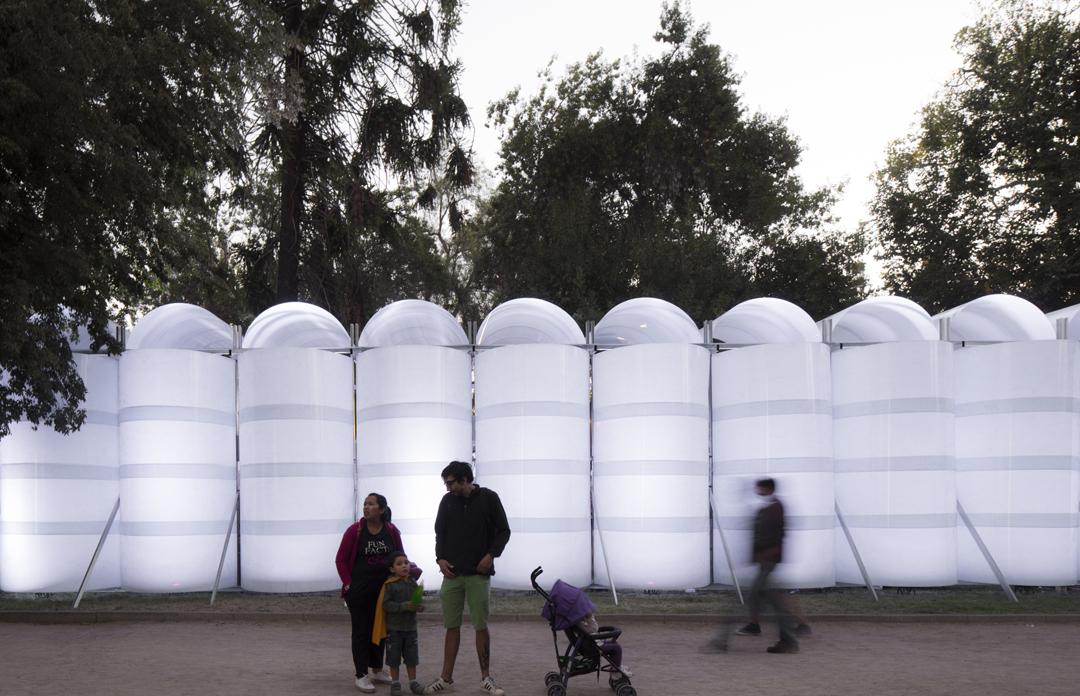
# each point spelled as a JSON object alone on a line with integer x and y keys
{"x": 536, "y": 586}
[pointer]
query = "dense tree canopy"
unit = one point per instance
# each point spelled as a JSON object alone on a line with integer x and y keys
{"x": 650, "y": 178}
{"x": 985, "y": 195}
{"x": 114, "y": 117}
{"x": 359, "y": 101}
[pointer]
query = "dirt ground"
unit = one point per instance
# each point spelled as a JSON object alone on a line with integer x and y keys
{"x": 242, "y": 658}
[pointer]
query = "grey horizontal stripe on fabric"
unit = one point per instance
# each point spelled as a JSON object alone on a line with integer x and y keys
{"x": 778, "y": 407}
{"x": 891, "y": 464}
{"x": 414, "y": 526}
{"x": 661, "y": 467}
{"x": 803, "y": 523}
{"x": 296, "y": 470}
{"x": 651, "y": 408}
{"x": 401, "y": 468}
{"x": 528, "y": 467}
{"x": 190, "y": 528}
{"x": 301, "y": 527}
{"x": 884, "y": 407}
{"x": 186, "y": 414}
{"x": 1028, "y": 520}
{"x": 920, "y": 521}
{"x": 1031, "y": 404}
{"x": 415, "y": 409}
{"x": 94, "y": 528}
{"x": 312, "y": 412}
{"x": 774, "y": 465}
{"x": 41, "y": 470}
{"x": 1032, "y": 462}
{"x": 179, "y": 471}
{"x": 525, "y": 525}
{"x": 102, "y": 418}
{"x": 662, "y": 525}
{"x": 519, "y": 409}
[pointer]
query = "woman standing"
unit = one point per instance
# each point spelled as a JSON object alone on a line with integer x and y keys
{"x": 361, "y": 564}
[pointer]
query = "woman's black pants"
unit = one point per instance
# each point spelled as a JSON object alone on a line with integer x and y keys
{"x": 365, "y": 654}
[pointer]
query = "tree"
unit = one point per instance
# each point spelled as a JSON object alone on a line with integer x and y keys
{"x": 114, "y": 115}
{"x": 984, "y": 196}
{"x": 650, "y": 178}
{"x": 360, "y": 99}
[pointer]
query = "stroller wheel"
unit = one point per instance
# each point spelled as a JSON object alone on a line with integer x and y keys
{"x": 552, "y": 677}
{"x": 626, "y": 690}
{"x": 556, "y": 689}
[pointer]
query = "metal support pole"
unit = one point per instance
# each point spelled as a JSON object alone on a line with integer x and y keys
{"x": 225, "y": 548}
{"x": 986, "y": 553}
{"x": 727, "y": 551}
{"x": 603, "y": 549}
{"x": 855, "y": 551}
{"x": 97, "y": 552}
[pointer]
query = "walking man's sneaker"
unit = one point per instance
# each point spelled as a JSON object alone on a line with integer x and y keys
{"x": 439, "y": 686}
{"x": 364, "y": 684}
{"x": 804, "y": 630}
{"x": 488, "y": 686}
{"x": 784, "y": 647}
{"x": 750, "y": 629}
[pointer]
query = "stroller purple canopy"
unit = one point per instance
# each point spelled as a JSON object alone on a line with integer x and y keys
{"x": 572, "y": 605}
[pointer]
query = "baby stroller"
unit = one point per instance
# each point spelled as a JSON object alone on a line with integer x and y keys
{"x": 585, "y": 653}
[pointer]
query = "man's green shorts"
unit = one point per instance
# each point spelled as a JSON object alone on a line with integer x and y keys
{"x": 453, "y": 593}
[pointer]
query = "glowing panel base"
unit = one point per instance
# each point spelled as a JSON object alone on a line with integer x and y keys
{"x": 894, "y": 458}
{"x": 651, "y": 465}
{"x": 56, "y": 493}
{"x": 771, "y": 411}
{"x": 532, "y": 448}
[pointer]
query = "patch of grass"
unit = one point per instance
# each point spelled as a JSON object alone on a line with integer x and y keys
{"x": 839, "y": 600}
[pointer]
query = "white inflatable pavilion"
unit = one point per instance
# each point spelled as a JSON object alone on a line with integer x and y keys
{"x": 772, "y": 417}
{"x": 893, "y": 445}
{"x": 532, "y": 439}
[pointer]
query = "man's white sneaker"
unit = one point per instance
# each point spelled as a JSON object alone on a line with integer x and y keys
{"x": 365, "y": 685}
{"x": 381, "y": 677}
{"x": 488, "y": 686}
{"x": 439, "y": 687}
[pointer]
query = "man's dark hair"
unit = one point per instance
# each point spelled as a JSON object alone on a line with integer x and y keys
{"x": 459, "y": 470}
{"x": 768, "y": 484}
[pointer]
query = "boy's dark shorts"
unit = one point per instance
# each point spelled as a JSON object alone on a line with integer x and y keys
{"x": 402, "y": 644}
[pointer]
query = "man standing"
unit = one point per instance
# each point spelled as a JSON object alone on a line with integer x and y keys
{"x": 470, "y": 532}
{"x": 768, "y": 544}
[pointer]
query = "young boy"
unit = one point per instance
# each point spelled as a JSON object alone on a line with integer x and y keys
{"x": 400, "y": 613}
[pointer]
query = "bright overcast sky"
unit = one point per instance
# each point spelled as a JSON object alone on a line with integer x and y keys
{"x": 851, "y": 75}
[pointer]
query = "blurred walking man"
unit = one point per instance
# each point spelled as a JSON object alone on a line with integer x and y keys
{"x": 768, "y": 545}
{"x": 471, "y": 531}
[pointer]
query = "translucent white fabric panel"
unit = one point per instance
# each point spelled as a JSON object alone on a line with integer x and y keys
{"x": 1018, "y": 459}
{"x": 532, "y": 448}
{"x": 296, "y": 325}
{"x": 413, "y": 417}
{"x": 412, "y": 323}
{"x": 528, "y": 320}
{"x": 296, "y": 467}
{"x": 765, "y": 320}
{"x": 177, "y": 468}
{"x": 883, "y": 318}
{"x": 651, "y": 465}
{"x": 57, "y": 491}
{"x": 895, "y": 466}
{"x": 997, "y": 318}
{"x": 646, "y": 320}
{"x": 180, "y": 325}
{"x": 772, "y": 416}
